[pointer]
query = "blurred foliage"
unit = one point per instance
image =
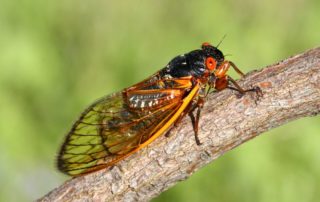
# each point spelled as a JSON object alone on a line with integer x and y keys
{"x": 56, "y": 57}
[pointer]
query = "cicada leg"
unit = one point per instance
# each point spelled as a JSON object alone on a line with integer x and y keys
{"x": 236, "y": 68}
{"x": 197, "y": 105}
{"x": 177, "y": 122}
{"x": 224, "y": 67}
{"x": 195, "y": 119}
{"x": 223, "y": 82}
{"x": 242, "y": 91}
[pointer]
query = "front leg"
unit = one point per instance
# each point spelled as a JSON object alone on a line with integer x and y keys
{"x": 224, "y": 82}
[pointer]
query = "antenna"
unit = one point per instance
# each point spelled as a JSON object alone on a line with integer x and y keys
{"x": 228, "y": 54}
{"x": 224, "y": 36}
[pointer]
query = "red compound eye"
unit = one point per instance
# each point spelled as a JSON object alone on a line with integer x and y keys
{"x": 211, "y": 63}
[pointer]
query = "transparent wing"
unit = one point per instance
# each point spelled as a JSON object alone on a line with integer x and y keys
{"x": 109, "y": 129}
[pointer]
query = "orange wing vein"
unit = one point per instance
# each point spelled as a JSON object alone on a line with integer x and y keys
{"x": 121, "y": 124}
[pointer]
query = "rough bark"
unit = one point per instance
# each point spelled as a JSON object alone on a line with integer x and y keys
{"x": 291, "y": 90}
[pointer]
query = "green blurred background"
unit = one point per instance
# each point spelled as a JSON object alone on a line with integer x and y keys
{"x": 56, "y": 57}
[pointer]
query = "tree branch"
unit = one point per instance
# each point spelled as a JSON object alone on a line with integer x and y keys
{"x": 291, "y": 90}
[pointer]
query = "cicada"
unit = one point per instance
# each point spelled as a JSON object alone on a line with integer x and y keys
{"x": 122, "y": 123}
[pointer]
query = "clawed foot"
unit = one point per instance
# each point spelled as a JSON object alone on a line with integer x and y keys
{"x": 255, "y": 89}
{"x": 258, "y": 93}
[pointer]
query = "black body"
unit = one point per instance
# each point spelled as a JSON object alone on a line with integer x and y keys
{"x": 192, "y": 63}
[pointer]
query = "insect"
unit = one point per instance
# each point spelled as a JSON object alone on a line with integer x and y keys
{"x": 122, "y": 123}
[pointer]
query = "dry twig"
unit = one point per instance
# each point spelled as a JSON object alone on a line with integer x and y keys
{"x": 291, "y": 90}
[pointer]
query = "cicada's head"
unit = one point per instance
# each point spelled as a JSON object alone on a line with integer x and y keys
{"x": 213, "y": 57}
{"x": 216, "y": 65}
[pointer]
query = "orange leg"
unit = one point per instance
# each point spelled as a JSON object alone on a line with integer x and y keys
{"x": 224, "y": 67}
{"x": 223, "y": 82}
{"x": 236, "y": 68}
